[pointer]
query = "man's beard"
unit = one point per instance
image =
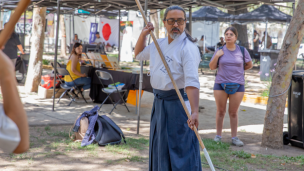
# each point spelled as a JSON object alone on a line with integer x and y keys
{"x": 174, "y": 35}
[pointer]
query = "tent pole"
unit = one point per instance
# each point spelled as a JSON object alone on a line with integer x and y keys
{"x": 24, "y": 22}
{"x": 119, "y": 36}
{"x": 73, "y": 24}
{"x": 204, "y": 39}
{"x": 56, "y": 49}
{"x": 253, "y": 36}
{"x": 265, "y": 40}
{"x": 190, "y": 20}
{"x": 141, "y": 78}
{"x": 70, "y": 31}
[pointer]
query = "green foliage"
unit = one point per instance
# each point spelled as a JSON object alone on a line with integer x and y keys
{"x": 45, "y": 62}
{"x": 47, "y": 128}
{"x": 241, "y": 154}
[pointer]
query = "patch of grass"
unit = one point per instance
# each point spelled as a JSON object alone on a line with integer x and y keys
{"x": 132, "y": 144}
{"x": 55, "y": 144}
{"x": 297, "y": 159}
{"x": 136, "y": 159}
{"x": 265, "y": 93}
{"x": 59, "y": 133}
{"x": 58, "y": 153}
{"x": 45, "y": 62}
{"x": 241, "y": 154}
{"x": 242, "y": 130}
{"x": 109, "y": 161}
{"x": 30, "y": 161}
{"x": 212, "y": 145}
{"x": 91, "y": 147}
{"x": 47, "y": 128}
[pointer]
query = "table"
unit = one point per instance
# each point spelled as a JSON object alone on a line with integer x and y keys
{"x": 131, "y": 81}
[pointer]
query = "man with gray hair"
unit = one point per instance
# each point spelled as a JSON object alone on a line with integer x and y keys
{"x": 173, "y": 145}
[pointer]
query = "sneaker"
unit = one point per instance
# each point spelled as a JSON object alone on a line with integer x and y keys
{"x": 237, "y": 142}
{"x": 217, "y": 139}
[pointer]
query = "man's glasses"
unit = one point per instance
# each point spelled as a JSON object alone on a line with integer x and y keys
{"x": 172, "y": 21}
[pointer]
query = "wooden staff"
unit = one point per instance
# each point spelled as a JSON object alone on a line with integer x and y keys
{"x": 10, "y": 25}
{"x": 175, "y": 87}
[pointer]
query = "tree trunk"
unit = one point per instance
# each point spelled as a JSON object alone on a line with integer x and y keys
{"x": 63, "y": 36}
{"x": 242, "y": 29}
{"x": 273, "y": 124}
{"x": 155, "y": 22}
{"x": 33, "y": 77}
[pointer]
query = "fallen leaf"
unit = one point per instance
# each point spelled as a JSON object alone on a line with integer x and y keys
{"x": 283, "y": 164}
{"x": 127, "y": 160}
{"x": 253, "y": 156}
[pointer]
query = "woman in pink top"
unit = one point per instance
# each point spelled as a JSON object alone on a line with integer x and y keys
{"x": 230, "y": 63}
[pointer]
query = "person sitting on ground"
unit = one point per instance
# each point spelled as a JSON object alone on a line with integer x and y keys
{"x": 202, "y": 45}
{"x": 230, "y": 63}
{"x": 269, "y": 41}
{"x": 73, "y": 66}
{"x": 14, "y": 131}
{"x": 221, "y": 43}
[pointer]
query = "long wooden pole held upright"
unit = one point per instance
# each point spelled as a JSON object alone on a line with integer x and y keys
{"x": 9, "y": 27}
{"x": 175, "y": 86}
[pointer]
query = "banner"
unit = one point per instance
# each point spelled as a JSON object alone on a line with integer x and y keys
{"x": 6, "y": 17}
{"x": 108, "y": 30}
{"x": 93, "y": 31}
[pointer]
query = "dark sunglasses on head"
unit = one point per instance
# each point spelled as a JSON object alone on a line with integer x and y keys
{"x": 172, "y": 21}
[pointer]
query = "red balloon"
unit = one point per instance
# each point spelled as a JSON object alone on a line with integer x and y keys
{"x": 106, "y": 31}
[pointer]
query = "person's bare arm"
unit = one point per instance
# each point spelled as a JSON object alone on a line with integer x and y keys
{"x": 140, "y": 45}
{"x": 12, "y": 104}
{"x": 75, "y": 60}
{"x": 248, "y": 65}
{"x": 20, "y": 48}
{"x": 193, "y": 96}
{"x": 214, "y": 61}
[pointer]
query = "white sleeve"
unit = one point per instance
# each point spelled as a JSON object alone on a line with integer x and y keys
{"x": 190, "y": 62}
{"x": 9, "y": 133}
{"x": 145, "y": 54}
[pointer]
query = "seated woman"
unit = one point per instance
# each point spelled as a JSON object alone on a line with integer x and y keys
{"x": 73, "y": 67}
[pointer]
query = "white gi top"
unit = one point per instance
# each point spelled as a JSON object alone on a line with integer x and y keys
{"x": 183, "y": 58}
{"x": 9, "y": 133}
{"x": 98, "y": 40}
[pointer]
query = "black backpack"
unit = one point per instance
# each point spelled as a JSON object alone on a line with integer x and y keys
{"x": 243, "y": 53}
{"x": 107, "y": 132}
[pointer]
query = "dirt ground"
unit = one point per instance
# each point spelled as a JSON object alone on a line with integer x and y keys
{"x": 51, "y": 148}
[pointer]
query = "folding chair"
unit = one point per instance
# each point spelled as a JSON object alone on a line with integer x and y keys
{"x": 103, "y": 75}
{"x": 57, "y": 78}
{"x": 64, "y": 72}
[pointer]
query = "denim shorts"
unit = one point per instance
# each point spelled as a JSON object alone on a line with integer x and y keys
{"x": 219, "y": 87}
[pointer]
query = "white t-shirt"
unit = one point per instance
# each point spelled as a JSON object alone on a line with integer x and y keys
{"x": 98, "y": 40}
{"x": 9, "y": 133}
{"x": 183, "y": 58}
